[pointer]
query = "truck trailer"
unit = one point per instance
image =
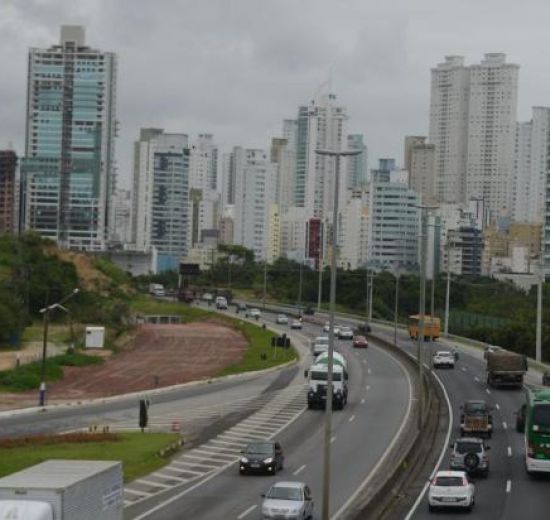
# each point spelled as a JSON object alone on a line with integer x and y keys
{"x": 505, "y": 368}
{"x": 64, "y": 490}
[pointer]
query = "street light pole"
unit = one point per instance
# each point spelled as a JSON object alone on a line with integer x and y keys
{"x": 325, "y": 512}
{"x": 396, "y": 308}
{"x": 371, "y": 283}
{"x": 46, "y": 319}
{"x": 421, "y": 313}
{"x": 540, "y": 281}
{"x": 265, "y": 285}
{"x": 320, "y": 262}
{"x": 300, "y": 287}
{"x": 447, "y": 298}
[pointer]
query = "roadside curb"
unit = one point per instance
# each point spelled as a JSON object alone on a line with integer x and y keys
{"x": 157, "y": 391}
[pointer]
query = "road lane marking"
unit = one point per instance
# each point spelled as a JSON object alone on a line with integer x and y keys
{"x": 476, "y": 379}
{"x": 332, "y": 439}
{"x": 369, "y": 371}
{"x": 362, "y": 401}
{"x": 351, "y": 418}
{"x": 367, "y": 388}
{"x": 504, "y": 425}
{"x": 464, "y": 369}
{"x": 508, "y": 486}
{"x": 365, "y": 361}
{"x": 247, "y": 511}
{"x": 497, "y": 406}
{"x": 299, "y": 470}
{"x": 488, "y": 391}
{"x": 509, "y": 451}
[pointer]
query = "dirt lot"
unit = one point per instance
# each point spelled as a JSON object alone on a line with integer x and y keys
{"x": 172, "y": 353}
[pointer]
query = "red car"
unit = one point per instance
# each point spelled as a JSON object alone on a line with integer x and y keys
{"x": 360, "y": 342}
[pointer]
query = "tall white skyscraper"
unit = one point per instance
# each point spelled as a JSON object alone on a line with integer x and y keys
{"x": 472, "y": 125}
{"x": 531, "y": 165}
{"x": 69, "y": 173}
{"x": 160, "y": 208}
{"x": 254, "y": 195}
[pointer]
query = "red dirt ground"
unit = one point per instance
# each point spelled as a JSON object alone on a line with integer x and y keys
{"x": 174, "y": 353}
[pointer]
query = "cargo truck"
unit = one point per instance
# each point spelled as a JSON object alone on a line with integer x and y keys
{"x": 156, "y": 289}
{"x": 64, "y": 490}
{"x": 505, "y": 368}
{"x": 317, "y": 377}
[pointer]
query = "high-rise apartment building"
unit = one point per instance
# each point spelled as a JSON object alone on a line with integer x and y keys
{"x": 420, "y": 163}
{"x": 254, "y": 195}
{"x": 121, "y": 233}
{"x": 160, "y": 207}
{"x": 68, "y": 174}
{"x": 354, "y": 231}
{"x": 356, "y": 165}
{"x": 8, "y": 212}
{"x": 472, "y": 125}
{"x": 283, "y": 157}
{"x": 531, "y": 165}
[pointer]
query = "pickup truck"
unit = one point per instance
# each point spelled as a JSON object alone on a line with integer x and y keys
{"x": 476, "y": 419}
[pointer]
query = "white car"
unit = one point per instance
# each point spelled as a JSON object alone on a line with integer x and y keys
{"x": 282, "y": 319}
{"x": 320, "y": 345}
{"x": 253, "y": 313}
{"x": 451, "y": 489}
{"x": 326, "y": 328}
{"x": 443, "y": 358}
{"x": 287, "y": 500}
{"x": 296, "y": 324}
{"x": 345, "y": 333}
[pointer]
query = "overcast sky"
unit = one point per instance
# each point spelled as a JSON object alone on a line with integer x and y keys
{"x": 236, "y": 68}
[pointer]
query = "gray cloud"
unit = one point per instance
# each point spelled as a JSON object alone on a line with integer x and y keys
{"x": 236, "y": 68}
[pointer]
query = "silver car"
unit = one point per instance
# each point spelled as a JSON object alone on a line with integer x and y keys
{"x": 470, "y": 454}
{"x": 287, "y": 501}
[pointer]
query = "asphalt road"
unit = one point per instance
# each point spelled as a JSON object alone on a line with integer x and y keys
{"x": 378, "y": 403}
{"x": 508, "y": 493}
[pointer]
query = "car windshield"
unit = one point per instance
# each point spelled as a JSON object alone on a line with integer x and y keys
{"x": 448, "y": 481}
{"x": 261, "y": 448}
{"x": 321, "y": 341}
{"x": 444, "y": 354}
{"x": 476, "y": 408}
{"x": 541, "y": 416}
{"x": 282, "y": 316}
{"x": 285, "y": 493}
{"x": 322, "y": 376}
{"x": 468, "y": 447}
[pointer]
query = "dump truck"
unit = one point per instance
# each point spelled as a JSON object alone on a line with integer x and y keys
{"x": 476, "y": 419}
{"x": 432, "y": 327}
{"x": 64, "y": 490}
{"x": 317, "y": 376}
{"x": 505, "y": 368}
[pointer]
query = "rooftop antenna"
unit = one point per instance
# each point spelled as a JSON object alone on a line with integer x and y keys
{"x": 325, "y": 87}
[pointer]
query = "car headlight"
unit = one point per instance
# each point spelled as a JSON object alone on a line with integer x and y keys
{"x": 244, "y": 460}
{"x": 269, "y": 460}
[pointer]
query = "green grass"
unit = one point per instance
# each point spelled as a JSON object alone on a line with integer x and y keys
{"x": 137, "y": 451}
{"x": 27, "y": 376}
{"x": 57, "y": 333}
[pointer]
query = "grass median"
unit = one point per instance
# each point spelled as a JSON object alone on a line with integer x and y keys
{"x": 139, "y": 452}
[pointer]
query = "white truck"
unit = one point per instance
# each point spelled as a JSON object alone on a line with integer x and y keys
{"x": 64, "y": 490}
{"x": 317, "y": 377}
{"x": 157, "y": 289}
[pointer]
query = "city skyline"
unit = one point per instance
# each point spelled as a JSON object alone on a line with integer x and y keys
{"x": 369, "y": 65}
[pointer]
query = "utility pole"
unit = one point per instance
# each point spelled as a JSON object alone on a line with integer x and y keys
{"x": 325, "y": 511}
{"x": 447, "y": 296}
{"x": 432, "y": 298}
{"x": 300, "y": 287}
{"x": 371, "y": 283}
{"x": 320, "y": 265}
{"x": 265, "y": 285}
{"x": 396, "y": 308}
{"x": 540, "y": 281}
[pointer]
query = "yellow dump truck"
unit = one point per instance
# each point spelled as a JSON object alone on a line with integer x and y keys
{"x": 432, "y": 327}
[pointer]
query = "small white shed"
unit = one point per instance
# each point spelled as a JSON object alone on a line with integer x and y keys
{"x": 95, "y": 337}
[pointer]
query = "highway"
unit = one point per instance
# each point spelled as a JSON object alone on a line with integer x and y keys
{"x": 379, "y": 402}
{"x": 508, "y": 493}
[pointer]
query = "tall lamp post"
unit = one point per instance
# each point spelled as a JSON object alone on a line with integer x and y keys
{"x": 325, "y": 512}
{"x": 46, "y": 315}
{"x": 540, "y": 282}
{"x": 396, "y": 305}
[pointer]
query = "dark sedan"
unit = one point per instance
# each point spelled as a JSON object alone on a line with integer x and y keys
{"x": 262, "y": 457}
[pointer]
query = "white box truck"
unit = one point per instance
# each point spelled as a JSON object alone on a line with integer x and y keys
{"x": 157, "y": 289}
{"x": 95, "y": 337}
{"x": 64, "y": 490}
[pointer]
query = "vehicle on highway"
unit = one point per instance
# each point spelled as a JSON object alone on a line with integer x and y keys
{"x": 262, "y": 457}
{"x": 345, "y": 333}
{"x": 221, "y": 303}
{"x": 537, "y": 432}
{"x": 253, "y": 313}
{"x": 282, "y": 319}
{"x": 207, "y": 297}
{"x": 360, "y": 342}
{"x": 521, "y": 416}
{"x": 157, "y": 289}
{"x": 296, "y": 324}
{"x": 362, "y": 329}
{"x": 287, "y": 500}
{"x": 546, "y": 378}
{"x": 490, "y": 348}
{"x": 451, "y": 489}
{"x": 326, "y": 328}
{"x": 476, "y": 419}
{"x": 317, "y": 382}
{"x": 443, "y": 358}
{"x": 470, "y": 454}
{"x": 309, "y": 311}
{"x": 320, "y": 345}
{"x": 241, "y": 307}
{"x": 505, "y": 368}
{"x": 432, "y": 327}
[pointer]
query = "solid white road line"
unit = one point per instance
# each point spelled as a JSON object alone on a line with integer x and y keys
{"x": 299, "y": 470}
{"x": 152, "y": 483}
{"x": 247, "y": 511}
{"x": 351, "y": 418}
{"x": 136, "y": 492}
{"x": 504, "y": 425}
{"x": 509, "y": 451}
{"x": 508, "y": 486}
{"x": 172, "y": 477}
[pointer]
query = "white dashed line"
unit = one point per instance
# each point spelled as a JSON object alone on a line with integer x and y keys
{"x": 488, "y": 391}
{"x": 362, "y": 401}
{"x": 333, "y": 439}
{"x": 247, "y": 511}
{"x": 364, "y": 361}
{"x": 509, "y": 451}
{"x": 369, "y": 371}
{"x": 351, "y": 418}
{"x": 508, "y": 486}
{"x": 476, "y": 379}
{"x": 497, "y": 406}
{"x": 504, "y": 425}
{"x": 464, "y": 369}
{"x": 299, "y": 470}
{"x": 367, "y": 388}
